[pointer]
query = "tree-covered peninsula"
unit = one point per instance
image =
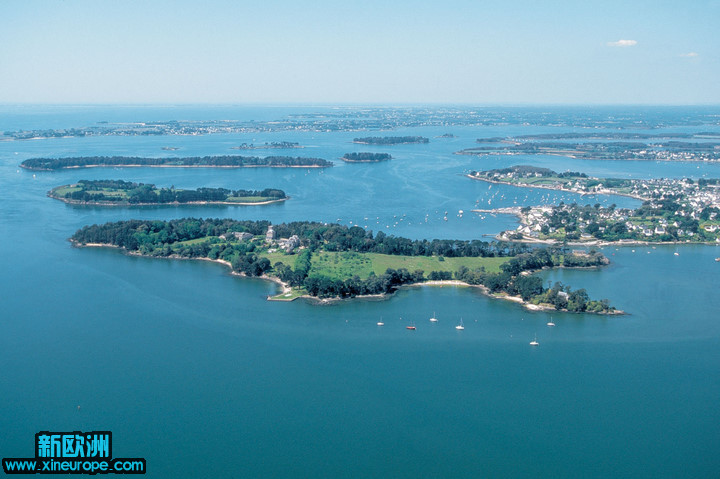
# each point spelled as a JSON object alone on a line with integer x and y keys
{"x": 390, "y": 140}
{"x": 121, "y": 193}
{"x": 365, "y": 157}
{"x": 333, "y": 261}
{"x": 573, "y": 181}
{"x": 673, "y": 210}
{"x": 226, "y": 161}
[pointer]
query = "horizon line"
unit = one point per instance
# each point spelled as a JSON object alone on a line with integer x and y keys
{"x": 357, "y": 104}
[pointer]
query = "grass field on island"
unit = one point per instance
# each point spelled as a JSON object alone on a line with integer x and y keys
{"x": 346, "y": 264}
{"x": 381, "y": 262}
{"x": 62, "y": 190}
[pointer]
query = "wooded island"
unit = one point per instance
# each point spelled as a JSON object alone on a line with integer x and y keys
{"x": 226, "y": 161}
{"x": 365, "y": 157}
{"x": 333, "y": 261}
{"x": 122, "y": 193}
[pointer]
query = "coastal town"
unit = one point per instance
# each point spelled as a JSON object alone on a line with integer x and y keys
{"x": 673, "y": 210}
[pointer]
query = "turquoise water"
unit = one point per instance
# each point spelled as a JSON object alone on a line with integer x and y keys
{"x": 195, "y": 371}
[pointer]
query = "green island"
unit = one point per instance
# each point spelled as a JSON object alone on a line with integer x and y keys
{"x": 49, "y": 164}
{"x": 123, "y": 193}
{"x": 365, "y": 157}
{"x": 268, "y": 146}
{"x": 671, "y": 149}
{"x": 390, "y": 140}
{"x": 673, "y": 210}
{"x": 332, "y": 261}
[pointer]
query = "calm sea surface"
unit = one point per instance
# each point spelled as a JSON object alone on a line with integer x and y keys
{"x": 195, "y": 371}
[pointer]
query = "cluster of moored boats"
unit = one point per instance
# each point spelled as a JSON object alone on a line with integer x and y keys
{"x": 461, "y": 326}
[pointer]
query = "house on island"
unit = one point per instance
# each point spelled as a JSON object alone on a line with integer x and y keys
{"x": 238, "y": 235}
{"x": 289, "y": 244}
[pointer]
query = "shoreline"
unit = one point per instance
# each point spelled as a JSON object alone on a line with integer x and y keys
{"x": 298, "y": 147}
{"x": 604, "y": 192}
{"x": 286, "y": 289}
{"x": 597, "y": 242}
{"x": 173, "y": 166}
{"x": 504, "y": 296}
{"x": 390, "y": 144}
{"x": 174, "y": 203}
{"x": 363, "y": 161}
{"x": 573, "y": 157}
{"x": 510, "y": 210}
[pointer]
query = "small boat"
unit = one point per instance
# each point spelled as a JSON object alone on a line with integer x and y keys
{"x": 717, "y": 259}
{"x": 411, "y": 328}
{"x": 676, "y": 253}
{"x": 380, "y": 323}
{"x": 534, "y": 342}
{"x": 550, "y": 323}
{"x": 460, "y": 326}
{"x": 433, "y": 319}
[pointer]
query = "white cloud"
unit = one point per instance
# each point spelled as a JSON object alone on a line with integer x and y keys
{"x": 623, "y": 43}
{"x": 690, "y": 55}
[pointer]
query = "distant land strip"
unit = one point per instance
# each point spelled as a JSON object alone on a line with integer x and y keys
{"x": 268, "y": 146}
{"x": 599, "y": 135}
{"x": 669, "y": 150}
{"x": 390, "y": 140}
{"x": 227, "y": 161}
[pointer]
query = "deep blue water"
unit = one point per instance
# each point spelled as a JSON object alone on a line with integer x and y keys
{"x": 195, "y": 371}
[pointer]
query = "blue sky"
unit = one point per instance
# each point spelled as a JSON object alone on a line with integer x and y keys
{"x": 273, "y": 51}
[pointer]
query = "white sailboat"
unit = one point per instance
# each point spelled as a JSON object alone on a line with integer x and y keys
{"x": 550, "y": 323}
{"x": 380, "y": 323}
{"x": 433, "y": 319}
{"x": 460, "y": 326}
{"x": 534, "y": 342}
